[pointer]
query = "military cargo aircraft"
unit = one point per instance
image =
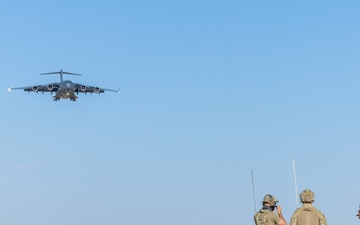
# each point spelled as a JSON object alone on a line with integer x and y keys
{"x": 65, "y": 89}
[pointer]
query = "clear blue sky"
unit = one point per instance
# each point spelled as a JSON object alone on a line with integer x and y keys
{"x": 210, "y": 91}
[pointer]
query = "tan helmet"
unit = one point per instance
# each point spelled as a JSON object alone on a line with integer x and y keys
{"x": 307, "y": 196}
{"x": 270, "y": 199}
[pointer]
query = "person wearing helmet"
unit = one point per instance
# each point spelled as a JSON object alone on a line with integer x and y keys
{"x": 266, "y": 215}
{"x": 307, "y": 214}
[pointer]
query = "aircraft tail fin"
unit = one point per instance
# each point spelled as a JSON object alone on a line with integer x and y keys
{"x": 61, "y": 72}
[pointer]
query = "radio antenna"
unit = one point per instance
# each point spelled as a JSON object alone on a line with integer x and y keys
{"x": 296, "y": 190}
{"x": 253, "y": 186}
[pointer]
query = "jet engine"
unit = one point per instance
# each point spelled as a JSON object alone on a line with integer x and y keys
{"x": 97, "y": 89}
{"x": 83, "y": 88}
{"x": 50, "y": 87}
{"x": 35, "y": 88}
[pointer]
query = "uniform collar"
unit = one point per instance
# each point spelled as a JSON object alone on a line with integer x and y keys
{"x": 266, "y": 208}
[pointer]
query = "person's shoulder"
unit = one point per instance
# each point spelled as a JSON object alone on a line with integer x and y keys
{"x": 322, "y": 214}
{"x": 316, "y": 209}
{"x": 272, "y": 214}
{"x": 319, "y": 213}
{"x": 261, "y": 211}
{"x": 296, "y": 212}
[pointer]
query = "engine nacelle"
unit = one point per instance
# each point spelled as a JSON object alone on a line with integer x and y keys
{"x": 35, "y": 88}
{"x": 50, "y": 87}
{"x": 83, "y": 88}
{"x": 97, "y": 89}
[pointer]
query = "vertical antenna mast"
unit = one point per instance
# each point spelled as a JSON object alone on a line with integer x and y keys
{"x": 296, "y": 190}
{"x": 253, "y": 186}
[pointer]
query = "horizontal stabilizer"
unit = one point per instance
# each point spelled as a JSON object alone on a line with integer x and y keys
{"x": 61, "y": 72}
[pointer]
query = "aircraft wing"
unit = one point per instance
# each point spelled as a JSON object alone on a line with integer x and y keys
{"x": 53, "y": 87}
{"x": 82, "y": 88}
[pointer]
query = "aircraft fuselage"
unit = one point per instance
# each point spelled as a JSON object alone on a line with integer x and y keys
{"x": 66, "y": 90}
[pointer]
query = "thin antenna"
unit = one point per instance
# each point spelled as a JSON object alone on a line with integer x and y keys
{"x": 296, "y": 190}
{"x": 253, "y": 186}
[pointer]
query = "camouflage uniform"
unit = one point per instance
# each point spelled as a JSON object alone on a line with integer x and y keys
{"x": 266, "y": 216}
{"x": 307, "y": 214}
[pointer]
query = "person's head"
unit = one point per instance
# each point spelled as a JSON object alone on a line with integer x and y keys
{"x": 270, "y": 200}
{"x": 307, "y": 196}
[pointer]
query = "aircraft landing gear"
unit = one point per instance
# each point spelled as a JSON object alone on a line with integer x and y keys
{"x": 56, "y": 98}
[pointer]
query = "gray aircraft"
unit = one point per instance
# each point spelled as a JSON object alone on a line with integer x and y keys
{"x": 65, "y": 89}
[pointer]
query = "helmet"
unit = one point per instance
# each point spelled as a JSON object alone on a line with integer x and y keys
{"x": 270, "y": 199}
{"x": 307, "y": 196}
